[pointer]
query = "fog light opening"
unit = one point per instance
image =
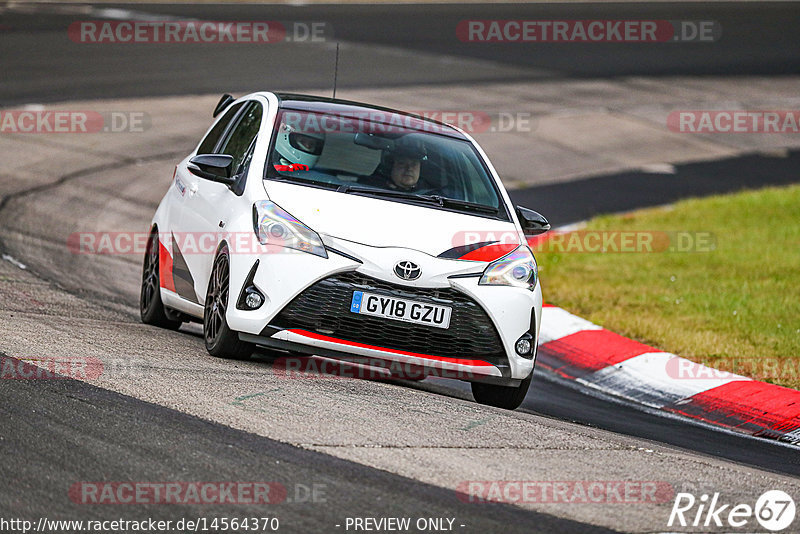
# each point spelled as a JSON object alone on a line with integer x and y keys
{"x": 524, "y": 346}
{"x": 253, "y": 298}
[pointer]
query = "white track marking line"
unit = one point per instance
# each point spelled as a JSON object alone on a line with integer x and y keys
{"x": 558, "y": 322}
{"x": 657, "y": 379}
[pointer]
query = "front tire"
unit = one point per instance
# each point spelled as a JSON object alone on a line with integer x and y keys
{"x": 151, "y": 308}
{"x": 501, "y": 396}
{"x": 221, "y": 341}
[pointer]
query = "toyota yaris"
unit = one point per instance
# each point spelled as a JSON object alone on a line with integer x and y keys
{"x": 325, "y": 227}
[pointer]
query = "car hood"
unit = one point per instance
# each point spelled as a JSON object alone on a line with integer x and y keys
{"x": 385, "y": 223}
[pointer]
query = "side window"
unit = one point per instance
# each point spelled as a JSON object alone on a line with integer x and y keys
{"x": 247, "y": 158}
{"x": 240, "y": 139}
{"x": 475, "y": 189}
{"x": 210, "y": 141}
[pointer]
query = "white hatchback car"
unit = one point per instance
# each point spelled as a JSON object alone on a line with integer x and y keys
{"x": 325, "y": 227}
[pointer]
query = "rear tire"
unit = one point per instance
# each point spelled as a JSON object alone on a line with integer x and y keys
{"x": 501, "y": 396}
{"x": 221, "y": 341}
{"x": 151, "y": 308}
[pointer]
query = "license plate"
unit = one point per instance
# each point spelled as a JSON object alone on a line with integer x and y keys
{"x": 400, "y": 309}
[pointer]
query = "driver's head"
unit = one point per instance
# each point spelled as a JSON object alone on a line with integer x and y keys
{"x": 299, "y": 147}
{"x": 406, "y": 162}
{"x": 405, "y": 172}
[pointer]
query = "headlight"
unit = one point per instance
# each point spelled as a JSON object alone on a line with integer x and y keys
{"x": 274, "y": 226}
{"x": 517, "y": 269}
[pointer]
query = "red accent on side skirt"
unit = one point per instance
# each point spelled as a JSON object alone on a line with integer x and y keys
{"x": 165, "y": 268}
{"x": 312, "y": 335}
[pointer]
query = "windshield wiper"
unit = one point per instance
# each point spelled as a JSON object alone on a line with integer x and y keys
{"x": 349, "y": 188}
{"x": 463, "y": 204}
{"x": 433, "y": 199}
{"x": 304, "y": 181}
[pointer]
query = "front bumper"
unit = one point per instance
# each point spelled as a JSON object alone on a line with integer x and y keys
{"x": 307, "y": 311}
{"x": 411, "y": 364}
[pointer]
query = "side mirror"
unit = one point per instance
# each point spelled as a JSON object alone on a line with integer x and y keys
{"x": 223, "y": 103}
{"x": 533, "y": 223}
{"x": 214, "y": 167}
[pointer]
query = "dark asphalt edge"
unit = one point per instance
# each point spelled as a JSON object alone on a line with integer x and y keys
{"x": 550, "y": 376}
{"x": 596, "y": 195}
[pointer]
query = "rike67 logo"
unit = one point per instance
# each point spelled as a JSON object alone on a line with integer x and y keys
{"x": 774, "y": 511}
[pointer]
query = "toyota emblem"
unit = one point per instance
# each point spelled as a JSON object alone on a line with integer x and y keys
{"x": 407, "y": 270}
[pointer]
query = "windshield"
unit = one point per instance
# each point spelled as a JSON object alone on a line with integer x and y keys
{"x": 375, "y": 154}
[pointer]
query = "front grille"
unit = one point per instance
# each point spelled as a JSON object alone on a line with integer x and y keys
{"x": 325, "y": 308}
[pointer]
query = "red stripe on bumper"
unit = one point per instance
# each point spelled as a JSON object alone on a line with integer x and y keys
{"x": 312, "y": 335}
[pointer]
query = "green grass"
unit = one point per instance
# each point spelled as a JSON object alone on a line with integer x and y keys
{"x": 734, "y": 307}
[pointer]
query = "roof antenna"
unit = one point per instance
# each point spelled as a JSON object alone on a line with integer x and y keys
{"x": 336, "y": 70}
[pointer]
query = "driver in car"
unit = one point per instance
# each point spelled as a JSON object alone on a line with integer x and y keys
{"x": 405, "y": 171}
{"x": 298, "y": 151}
{"x": 400, "y": 168}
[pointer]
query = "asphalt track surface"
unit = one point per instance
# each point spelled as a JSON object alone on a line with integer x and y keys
{"x": 155, "y": 444}
{"x": 93, "y": 433}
